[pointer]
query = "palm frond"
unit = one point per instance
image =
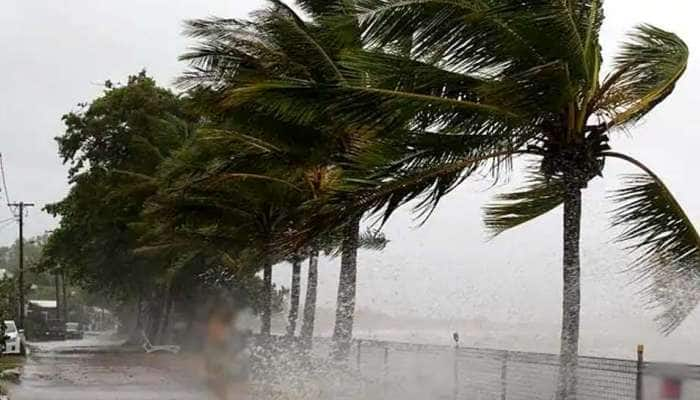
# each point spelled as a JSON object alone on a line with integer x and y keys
{"x": 235, "y": 141}
{"x": 530, "y": 91}
{"x": 275, "y": 43}
{"x": 365, "y": 108}
{"x": 426, "y": 184}
{"x": 537, "y": 198}
{"x": 666, "y": 244}
{"x": 385, "y": 70}
{"x": 582, "y": 20}
{"x": 296, "y": 38}
{"x": 321, "y": 8}
{"x": 332, "y": 242}
{"x": 228, "y": 50}
{"x": 646, "y": 72}
{"x": 468, "y": 34}
{"x": 407, "y": 152}
{"x": 372, "y": 240}
{"x": 493, "y": 36}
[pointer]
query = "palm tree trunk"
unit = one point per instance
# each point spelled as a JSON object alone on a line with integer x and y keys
{"x": 294, "y": 298}
{"x": 571, "y": 304}
{"x": 345, "y": 308}
{"x": 267, "y": 300}
{"x": 307, "y": 327}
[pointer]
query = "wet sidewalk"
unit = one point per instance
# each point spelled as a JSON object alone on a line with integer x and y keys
{"x": 94, "y": 369}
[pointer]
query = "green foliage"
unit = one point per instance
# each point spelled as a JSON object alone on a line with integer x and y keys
{"x": 291, "y": 128}
{"x": 646, "y": 72}
{"x": 33, "y": 247}
{"x": 153, "y": 206}
{"x": 131, "y": 127}
{"x": 113, "y": 145}
{"x": 509, "y": 210}
{"x": 9, "y": 303}
{"x": 667, "y": 246}
{"x": 443, "y": 89}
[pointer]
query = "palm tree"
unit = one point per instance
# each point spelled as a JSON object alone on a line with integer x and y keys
{"x": 206, "y": 204}
{"x": 333, "y": 246}
{"x": 309, "y": 316}
{"x": 319, "y": 180}
{"x": 237, "y": 58}
{"x": 485, "y": 83}
{"x": 295, "y": 290}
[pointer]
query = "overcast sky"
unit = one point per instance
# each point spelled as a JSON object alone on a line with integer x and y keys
{"x": 56, "y": 53}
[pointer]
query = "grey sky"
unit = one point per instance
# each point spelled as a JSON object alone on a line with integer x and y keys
{"x": 55, "y": 54}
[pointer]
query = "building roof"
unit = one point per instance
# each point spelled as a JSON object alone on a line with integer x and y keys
{"x": 43, "y": 303}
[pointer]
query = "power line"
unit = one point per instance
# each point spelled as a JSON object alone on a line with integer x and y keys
{"x": 3, "y": 227}
{"x": 4, "y": 185}
{"x": 4, "y": 180}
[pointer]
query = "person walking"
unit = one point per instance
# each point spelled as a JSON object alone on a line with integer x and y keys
{"x": 226, "y": 355}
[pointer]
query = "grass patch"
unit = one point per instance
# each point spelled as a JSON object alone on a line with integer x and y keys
{"x": 9, "y": 362}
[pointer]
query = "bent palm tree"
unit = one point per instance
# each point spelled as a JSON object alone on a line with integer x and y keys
{"x": 238, "y": 58}
{"x": 487, "y": 81}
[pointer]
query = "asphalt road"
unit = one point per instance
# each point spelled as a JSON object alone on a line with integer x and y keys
{"x": 94, "y": 369}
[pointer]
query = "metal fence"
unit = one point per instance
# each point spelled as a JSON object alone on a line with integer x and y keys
{"x": 473, "y": 373}
{"x": 392, "y": 370}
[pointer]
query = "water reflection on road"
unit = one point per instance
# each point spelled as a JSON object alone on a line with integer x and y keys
{"x": 98, "y": 369}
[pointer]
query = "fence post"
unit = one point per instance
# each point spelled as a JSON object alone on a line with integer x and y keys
{"x": 385, "y": 383}
{"x": 639, "y": 392}
{"x": 504, "y": 376}
{"x": 359, "y": 353}
{"x": 455, "y": 371}
{"x": 386, "y": 362}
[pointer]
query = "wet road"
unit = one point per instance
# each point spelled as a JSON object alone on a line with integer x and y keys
{"x": 92, "y": 369}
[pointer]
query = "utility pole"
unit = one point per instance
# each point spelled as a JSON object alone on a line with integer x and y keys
{"x": 21, "y": 205}
{"x": 58, "y": 294}
{"x": 64, "y": 303}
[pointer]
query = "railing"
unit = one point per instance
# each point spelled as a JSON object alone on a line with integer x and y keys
{"x": 392, "y": 370}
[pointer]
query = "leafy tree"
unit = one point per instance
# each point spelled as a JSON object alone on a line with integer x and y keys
{"x": 486, "y": 82}
{"x": 113, "y": 145}
{"x": 8, "y": 297}
{"x": 39, "y": 284}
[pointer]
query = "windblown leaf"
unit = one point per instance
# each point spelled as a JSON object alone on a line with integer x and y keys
{"x": 666, "y": 245}
{"x": 276, "y": 43}
{"x": 427, "y": 184}
{"x": 537, "y": 198}
{"x": 473, "y": 35}
{"x": 320, "y": 8}
{"x": 531, "y": 91}
{"x": 332, "y": 242}
{"x": 646, "y": 72}
{"x": 372, "y": 240}
{"x": 365, "y": 108}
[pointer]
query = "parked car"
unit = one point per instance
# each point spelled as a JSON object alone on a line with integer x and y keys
{"x": 14, "y": 339}
{"x": 73, "y": 330}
